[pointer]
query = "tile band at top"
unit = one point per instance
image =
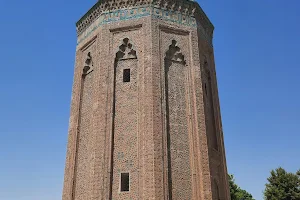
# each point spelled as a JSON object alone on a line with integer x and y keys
{"x": 186, "y": 7}
{"x": 139, "y": 12}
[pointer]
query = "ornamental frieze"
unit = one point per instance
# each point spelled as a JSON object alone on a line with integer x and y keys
{"x": 143, "y": 11}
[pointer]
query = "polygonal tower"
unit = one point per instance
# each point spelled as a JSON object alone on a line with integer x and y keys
{"x": 145, "y": 117}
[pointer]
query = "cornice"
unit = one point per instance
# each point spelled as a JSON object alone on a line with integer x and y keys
{"x": 185, "y": 7}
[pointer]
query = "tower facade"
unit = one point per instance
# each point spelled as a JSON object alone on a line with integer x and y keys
{"x": 145, "y": 118}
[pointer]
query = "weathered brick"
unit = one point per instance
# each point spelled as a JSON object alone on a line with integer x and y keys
{"x": 163, "y": 127}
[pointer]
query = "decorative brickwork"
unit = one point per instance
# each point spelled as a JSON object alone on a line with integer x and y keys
{"x": 145, "y": 119}
{"x": 187, "y": 8}
{"x": 209, "y": 106}
{"x": 87, "y": 26}
{"x": 125, "y": 128}
{"x": 178, "y": 145}
{"x": 84, "y": 149}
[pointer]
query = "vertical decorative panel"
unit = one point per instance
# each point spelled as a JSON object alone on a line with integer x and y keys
{"x": 84, "y": 151}
{"x": 125, "y": 127}
{"x": 209, "y": 107}
{"x": 177, "y": 121}
{"x": 83, "y": 165}
{"x": 180, "y": 173}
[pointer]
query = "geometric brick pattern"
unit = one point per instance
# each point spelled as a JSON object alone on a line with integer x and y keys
{"x": 145, "y": 104}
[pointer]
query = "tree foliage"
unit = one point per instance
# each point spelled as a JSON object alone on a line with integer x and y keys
{"x": 283, "y": 185}
{"x": 236, "y": 192}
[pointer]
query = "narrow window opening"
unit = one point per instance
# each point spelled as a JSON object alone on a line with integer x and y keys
{"x": 205, "y": 88}
{"x": 124, "y": 182}
{"x": 126, "y": 75}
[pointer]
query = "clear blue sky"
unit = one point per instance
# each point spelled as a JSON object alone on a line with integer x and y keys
{"x": 257, "y": 50}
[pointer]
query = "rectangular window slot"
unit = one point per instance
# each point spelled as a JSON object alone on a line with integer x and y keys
{"x": 124, "y": 182}
{"x": 126, "y": 75}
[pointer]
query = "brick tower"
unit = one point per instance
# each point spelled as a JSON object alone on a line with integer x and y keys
{"x": 145, "y": 118}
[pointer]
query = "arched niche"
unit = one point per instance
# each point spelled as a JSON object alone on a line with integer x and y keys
{"x": 126, "y": 51}
{"x": 88, "y": 64}
{"x": 84, "y": 148}
{"x": 208, "y": 96}
{"x": 177, "y": 130}
{"x": 125, "y": 123}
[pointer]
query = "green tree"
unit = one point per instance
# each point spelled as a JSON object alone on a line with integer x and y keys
{"x": 236, "y": 192}
{"x": 283, "y": 185}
